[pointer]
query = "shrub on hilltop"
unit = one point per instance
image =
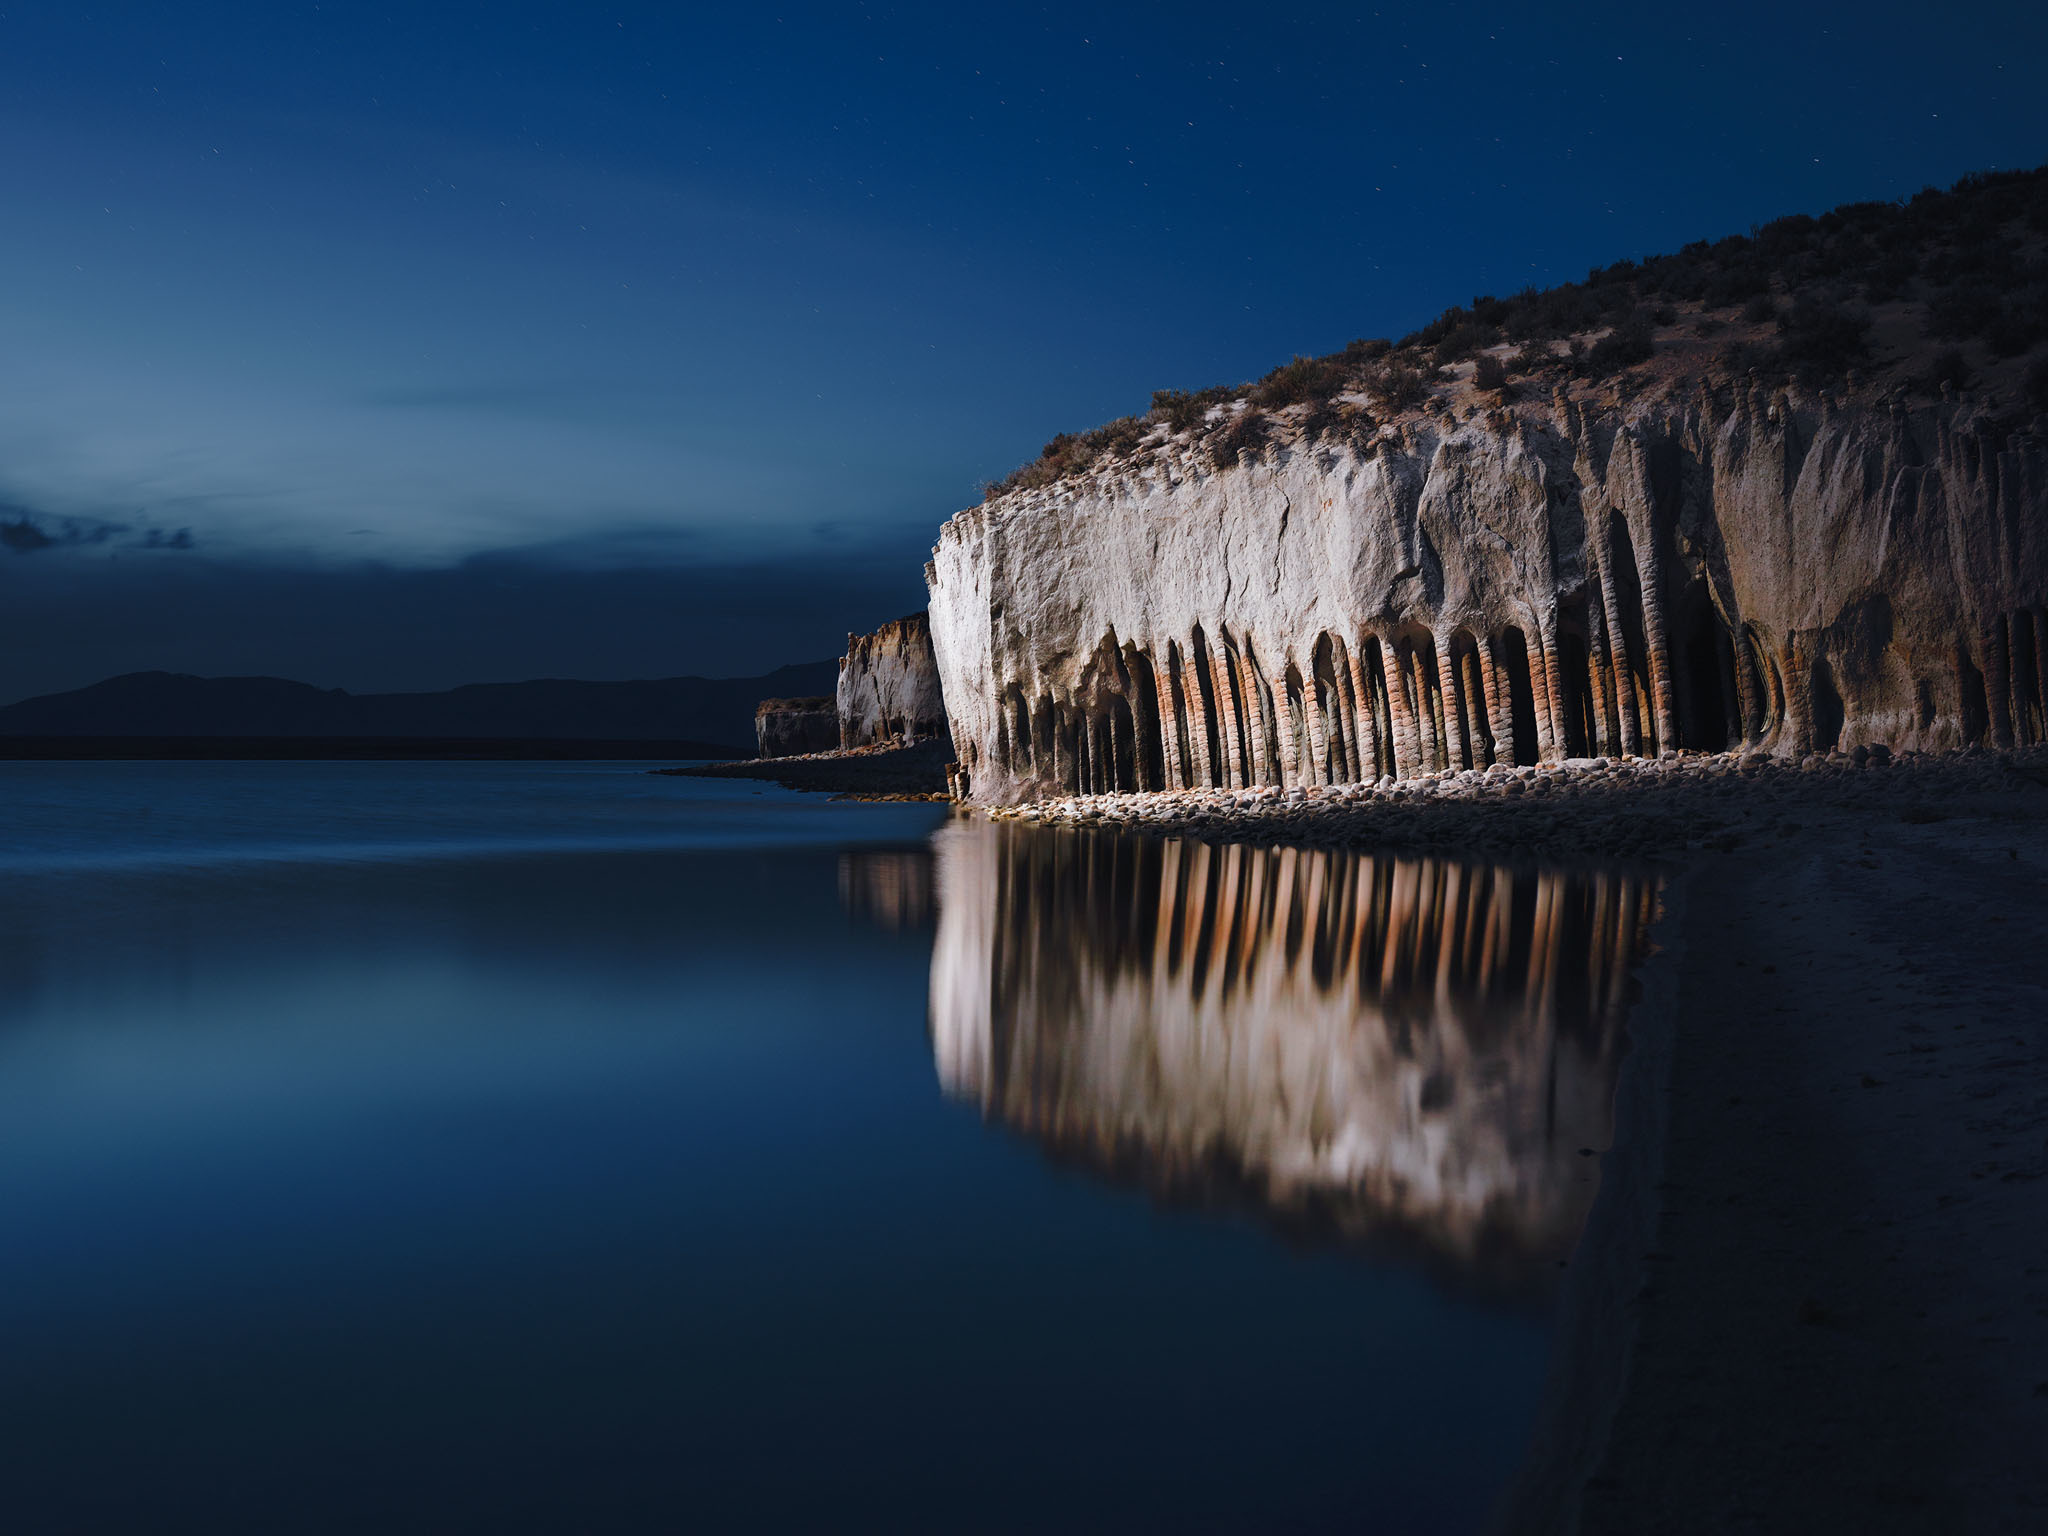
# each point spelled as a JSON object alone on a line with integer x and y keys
{"x": 1331, "y": 422}
{"x": 1823, "y": 338}
{"x": 1248, "y": 431}
{"x": 1181, "y": 409}
{"x": 1962, "y": 267}
{"x": 1397, "y": 386}
{"x": 1071, "y": 453}
{"x": 1631, "y": 341}
{"x": 1305, "y": 378}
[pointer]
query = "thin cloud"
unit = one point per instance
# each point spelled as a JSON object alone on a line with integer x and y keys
{"x": 24, "y": 537}
{"x": 24, "y": 531}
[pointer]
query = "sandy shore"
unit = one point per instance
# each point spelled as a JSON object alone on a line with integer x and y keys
{"x": 1815, "y": 1294}
{"x": 1843, "y": 1321}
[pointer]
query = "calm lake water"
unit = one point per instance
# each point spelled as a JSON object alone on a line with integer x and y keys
{"x": 487, "y": 1147}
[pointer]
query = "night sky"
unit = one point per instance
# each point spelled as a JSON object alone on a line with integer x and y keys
{"x": 405, "y": 346}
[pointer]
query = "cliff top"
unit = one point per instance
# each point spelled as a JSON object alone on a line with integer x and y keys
{"x": 910, "y": 624}
{"x": 1945, "y": 293}
{"x": 785, "y": 706}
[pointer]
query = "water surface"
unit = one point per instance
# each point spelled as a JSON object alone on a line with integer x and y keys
{"x": 444, "y": 1147}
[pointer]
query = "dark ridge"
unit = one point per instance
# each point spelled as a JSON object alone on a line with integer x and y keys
{"x": 717, "y": 713}
{"x": 357, "y": 749}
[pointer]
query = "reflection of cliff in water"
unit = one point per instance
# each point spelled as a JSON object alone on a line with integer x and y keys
{"x": 1361, "y": 1047}
{"x": 892, "y": 889}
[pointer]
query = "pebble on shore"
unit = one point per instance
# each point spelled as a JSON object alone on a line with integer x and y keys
{"x": 1598, "y": 807}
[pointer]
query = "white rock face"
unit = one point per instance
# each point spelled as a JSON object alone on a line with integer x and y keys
{"x": 889, "y": 686}
{"x": 1526, "y": 585}
{"x": 1391, "y": 1046}
{"x": 792, "y": 727}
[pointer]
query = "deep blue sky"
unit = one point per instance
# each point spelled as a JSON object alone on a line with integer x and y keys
{"x": 400, "y": 346}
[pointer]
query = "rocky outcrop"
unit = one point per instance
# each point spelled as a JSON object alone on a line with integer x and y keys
{"x": 1729, "y": 567}
{"x": 889, "y": 686}
{"x": 1367, "y": 1048}
{"x": 791, "y": 727}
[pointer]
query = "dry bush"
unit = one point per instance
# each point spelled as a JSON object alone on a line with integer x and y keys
{"x": 1305, "y": 378}
{"x": 1397, "y": 386}
{"x": 1631, "y": 341}
{"x": 1245, "y": 432}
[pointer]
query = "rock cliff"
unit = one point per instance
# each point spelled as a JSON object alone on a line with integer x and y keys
{"x": 1714, "y": 564}
{"x": 791, "y": 727}
{"x": 889, "y": 686}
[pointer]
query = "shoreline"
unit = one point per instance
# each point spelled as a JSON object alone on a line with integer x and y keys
{"x": 889, "y": 773}
{"x": 1813, "y": 1292}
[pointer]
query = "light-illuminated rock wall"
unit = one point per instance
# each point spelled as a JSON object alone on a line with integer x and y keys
{"x": 889, "y": 686}
{"x": 1526, "y": 584}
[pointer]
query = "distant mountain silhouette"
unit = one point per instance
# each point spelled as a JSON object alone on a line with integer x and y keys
{"x": 712, "y": 710}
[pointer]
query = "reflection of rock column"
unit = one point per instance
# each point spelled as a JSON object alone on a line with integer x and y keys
{"x": 961, "y": 1024}
{"x": 1373, "y": 1045}
{"x": 892, "y": 890}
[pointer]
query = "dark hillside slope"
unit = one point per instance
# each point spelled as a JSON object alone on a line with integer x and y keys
{"x": 1945, "y": 292}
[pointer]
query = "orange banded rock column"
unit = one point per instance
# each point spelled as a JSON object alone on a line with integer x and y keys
{"x": 1368, "y": 716}
{"x": 1319, "y": 756}
{"x": 1407, "y": 756}
{"x": 1546, "y": 680}
{"x": 1422, "y": 709}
